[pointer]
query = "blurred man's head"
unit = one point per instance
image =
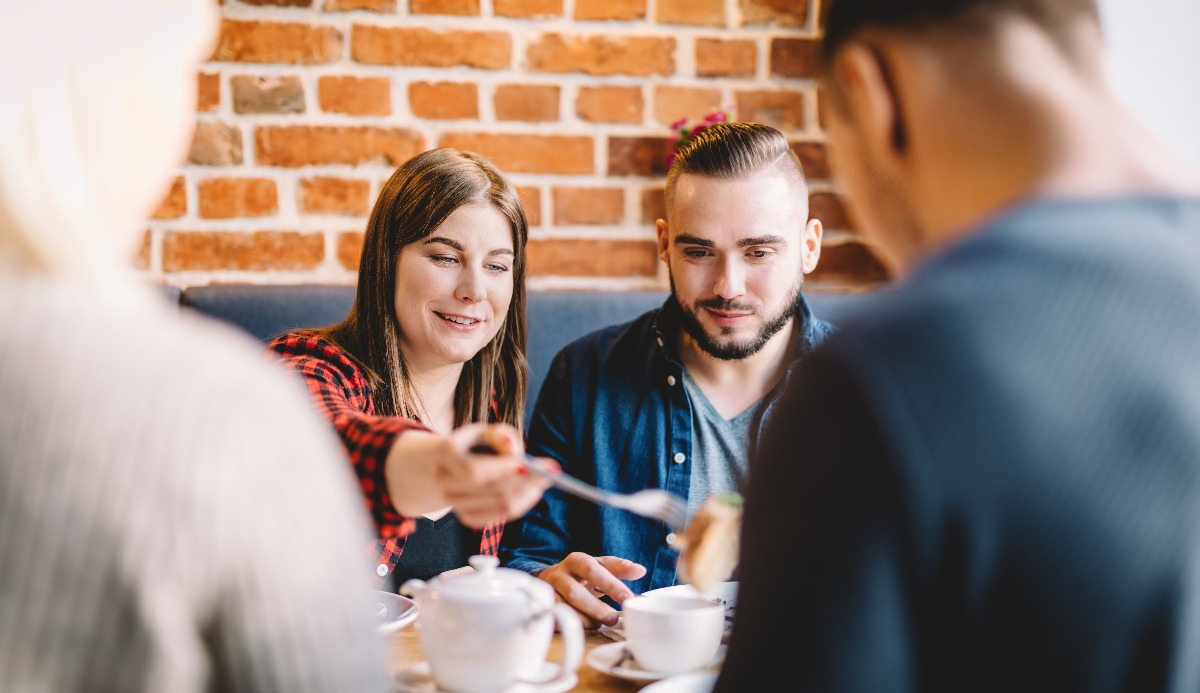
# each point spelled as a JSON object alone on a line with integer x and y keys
{"x": 941, "y": 112}
{"x": 737, "y": 240}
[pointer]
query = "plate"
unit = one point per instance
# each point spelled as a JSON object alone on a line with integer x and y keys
{"x": 417, "y": 678}
{"x": 393, "y": 611}
{"x": 607, "y": 659}
{"x": 686, "y": 683}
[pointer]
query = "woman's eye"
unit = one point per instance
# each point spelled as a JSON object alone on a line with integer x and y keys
{"x": 444, "y": 259}
{"x": 496, "y": 268}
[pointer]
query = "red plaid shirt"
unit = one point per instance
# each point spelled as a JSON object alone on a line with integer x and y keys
{"x": 341, "y": 392}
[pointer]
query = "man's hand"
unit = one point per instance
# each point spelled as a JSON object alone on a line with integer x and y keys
{"x": 580, "y": 580}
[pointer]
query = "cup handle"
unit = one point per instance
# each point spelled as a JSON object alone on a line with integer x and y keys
{"x": 571, "y": 629}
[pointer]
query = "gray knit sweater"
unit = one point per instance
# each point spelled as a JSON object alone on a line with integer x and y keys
{"x": 173, "y": 517}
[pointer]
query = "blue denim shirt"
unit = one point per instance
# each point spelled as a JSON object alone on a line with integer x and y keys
{"x": 613, "y": 411}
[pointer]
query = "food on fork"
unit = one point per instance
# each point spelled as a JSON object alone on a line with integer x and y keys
{"x": 709, "y": 545}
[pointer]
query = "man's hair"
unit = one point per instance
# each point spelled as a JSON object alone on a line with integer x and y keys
{"x": 846, "y": 18}
{"x": 733, "y": 151}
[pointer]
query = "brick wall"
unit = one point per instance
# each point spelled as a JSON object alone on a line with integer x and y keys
{"x": 307, "y": 106}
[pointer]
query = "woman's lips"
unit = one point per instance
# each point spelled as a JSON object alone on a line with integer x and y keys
{"x": 459, "y": 322}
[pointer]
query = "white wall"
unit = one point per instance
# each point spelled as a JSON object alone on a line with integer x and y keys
{"x": 1154, "y": 58}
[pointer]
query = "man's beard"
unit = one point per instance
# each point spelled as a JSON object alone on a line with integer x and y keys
{"x": 734, "y": 351}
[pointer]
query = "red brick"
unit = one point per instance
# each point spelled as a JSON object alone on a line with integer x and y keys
{"x": 208, "y": 92}
{"x": 813, "y": 158}
{"x": 610, "y": 9}
{"x": 267, "y": 94}
{"x": 198, "y": 251}
{"x": 795, "y": 57}
{"x": 361, "y": 96}
{"x": 142, "y": 259}
{"x": 386, "y": 6}
{"x": 279, "y": 3}
{"x": 527, "y": 102}
{"x": 373, "y": 45}
{"x": 468, "y": 8}
{"x": 226, "y": 198}
{"x": 782, "y": 110}
{"x": 673, "y": 103}
{"x": 528, "y": 9}
{"x": 778, "y": 12}
{"x": 720, "y": 58}
{"x": 323, "y": 195}
{"x": 603, "y": 55}
{"x": 654, "y": 205}
{"x": 277, "y": 42}
{"x": 849, "y": 262}
{"x": 573, "y": 257}
{"x": 216, "y": 144}
{"x": 694, "y": 12}
{"x": 316, "y": 145}
{"x": 829, "y": 209}
{"x": 528, "y": 153}
{"x": 349, "y": 249}
{"x": 638, "y": 156}
{"x": 174, "y": 205}
{"x": 531, "y": 199}
{"x": 610, "y": 104}
{"x": 588, "y": 206}
{"x": 444, "y": 100}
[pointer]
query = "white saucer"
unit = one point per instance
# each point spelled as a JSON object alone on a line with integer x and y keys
{"x": 416, "y": 678}
{"x": 397, "y": 611}
{"x": 604, "y": 658}
{"x": 684, "y": 683}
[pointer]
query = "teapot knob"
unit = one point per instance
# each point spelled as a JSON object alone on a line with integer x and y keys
{"x": 483, "y": 564}
{"x": 411, "y": 588}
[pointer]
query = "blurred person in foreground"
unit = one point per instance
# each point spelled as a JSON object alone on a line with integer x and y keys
{"x": 1000, "y": 481}
{"x": 173, "y": 516}
{"x": 676, "y": 398}
{"x": 429, "y": 364}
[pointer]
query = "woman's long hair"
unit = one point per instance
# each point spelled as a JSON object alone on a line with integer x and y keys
{"x": 413, "y": 203}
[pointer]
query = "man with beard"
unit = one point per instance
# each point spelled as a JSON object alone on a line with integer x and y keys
{"x": 676, "y": 398}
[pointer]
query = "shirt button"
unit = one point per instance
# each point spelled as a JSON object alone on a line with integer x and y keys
{"x": 679, "y": 458}
{"x": 671, "y": 539}
{"x": 670, "y": 380}
{"x": 659, "y": 340}
{"x": 381, "y": 569}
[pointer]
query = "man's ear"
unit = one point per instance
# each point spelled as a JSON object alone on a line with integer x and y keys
{"x": 664, "y": 239}
{"x": 869, "y": 100}
{"x": 812, "y": 245}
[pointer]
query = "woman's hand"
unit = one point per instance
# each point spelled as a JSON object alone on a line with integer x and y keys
{"x": 427, "y": 472}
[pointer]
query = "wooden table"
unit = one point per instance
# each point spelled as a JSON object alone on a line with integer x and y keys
{"x": 405, "y": 649}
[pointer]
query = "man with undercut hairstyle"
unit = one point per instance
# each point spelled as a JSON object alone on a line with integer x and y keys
{"x": 677, "y": 397}
{"x": 990, "y": 480}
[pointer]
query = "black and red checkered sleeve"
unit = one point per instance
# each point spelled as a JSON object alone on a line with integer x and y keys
{"x": 342, "y": 394}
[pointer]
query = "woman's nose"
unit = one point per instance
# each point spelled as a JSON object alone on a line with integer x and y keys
{"x": 471, "y": 287}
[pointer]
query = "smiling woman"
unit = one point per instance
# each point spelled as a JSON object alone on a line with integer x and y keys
{"x": 430, "y": 363}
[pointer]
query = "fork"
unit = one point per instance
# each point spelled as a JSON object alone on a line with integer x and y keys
{"x": 653, "y": 503}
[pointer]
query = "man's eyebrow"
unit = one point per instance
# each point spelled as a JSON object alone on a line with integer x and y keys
{"x": 694, "y": 240}
{"x": 761, "y": 240}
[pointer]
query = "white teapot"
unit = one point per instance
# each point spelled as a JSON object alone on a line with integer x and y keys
{"x": 487, "y": 630}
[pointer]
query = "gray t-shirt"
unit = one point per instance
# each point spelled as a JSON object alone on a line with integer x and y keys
{"x": 720, "y": 447}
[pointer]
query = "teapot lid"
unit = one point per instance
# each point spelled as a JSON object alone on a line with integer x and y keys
{"x": 490, "y": 581}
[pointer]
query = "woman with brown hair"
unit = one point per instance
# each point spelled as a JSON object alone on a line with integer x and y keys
{"x": 430, "y": 363}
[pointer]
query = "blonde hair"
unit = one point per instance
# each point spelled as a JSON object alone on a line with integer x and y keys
{"x": 95, "y": 114}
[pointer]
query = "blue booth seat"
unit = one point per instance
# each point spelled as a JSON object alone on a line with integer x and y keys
{"x": 555, "y": 318}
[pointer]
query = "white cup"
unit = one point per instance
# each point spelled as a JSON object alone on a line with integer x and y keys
{"x": 673, "y": 634}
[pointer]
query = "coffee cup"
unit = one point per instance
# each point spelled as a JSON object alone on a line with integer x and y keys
{"x": 487, "y": 630}
{"x": 673, "y": 634}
